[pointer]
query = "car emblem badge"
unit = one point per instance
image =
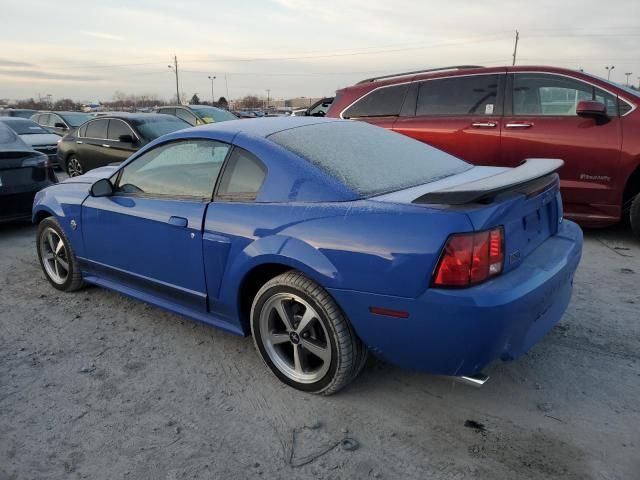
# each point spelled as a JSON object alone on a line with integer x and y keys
{"x": 294, "y": 337}
{"x": 514, "y": 257}
{"x": 73, "y": 224}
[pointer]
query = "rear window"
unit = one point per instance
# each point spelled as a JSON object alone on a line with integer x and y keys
{"x": 369, "y": 159}
{"x": 26, "y": 127}
{"x": 383, "y": 102}
{"x": 153, "y": 127}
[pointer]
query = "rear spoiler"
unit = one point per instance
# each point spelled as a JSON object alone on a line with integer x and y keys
{"x": 530, "y": 175}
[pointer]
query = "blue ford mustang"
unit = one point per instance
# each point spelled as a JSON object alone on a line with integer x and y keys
{"x": 324, "y": 239}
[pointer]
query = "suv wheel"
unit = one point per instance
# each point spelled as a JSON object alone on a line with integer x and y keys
{"x": 303, "y": 336}
{"x": 74, "y": 167}
{"x": 634, "y": 216}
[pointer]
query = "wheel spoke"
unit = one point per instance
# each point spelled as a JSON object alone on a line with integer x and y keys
{"x": 55, "y": 265}
{"x": 297, "y": 363}
{"x": 59, "y": 246}
{"x": 283, "y": 312}
{"x": 278, "y": 338}
{"x": 323, "y": 353}
{"x": 51, "y": 242}
{"x": 48, "y": 256}
{"x": 309, "y": 315}
{"x": 63, "y": 263}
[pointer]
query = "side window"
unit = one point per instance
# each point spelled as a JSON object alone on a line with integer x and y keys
{"x": 187, "y": 168}
{"x": 97, "y": 129}
{"x": 54, "y": 119}
{"x": 186, "y": 115}
{"x": 553, "y": 95}
{"x": 167, "y": 111}
{"x": 44, "y": 119}
{"x": 242, "y": 177}
{"x": 383, "y": 102}
{"x": 82, "y": 131}
{"x": 471, "y": 95}
{"x": 118, "y": 128}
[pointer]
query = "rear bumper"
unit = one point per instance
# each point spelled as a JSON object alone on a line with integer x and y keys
{"x": 459, "y": 332}
{"x": 16, "y": 202}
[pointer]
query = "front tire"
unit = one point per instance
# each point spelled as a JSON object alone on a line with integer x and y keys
{"x": 303, "y": 336}
{"x": 634, "y": 216}
{"x": 57, "y": 258}
{"x": 74, "y": 167}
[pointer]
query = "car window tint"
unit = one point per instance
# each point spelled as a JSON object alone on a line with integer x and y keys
{"x": 369, "y": 159}
{"x": 186, "y": 115}
{"x": 186, "y": 168}
{"x": 555, "y": 95}
{"x": 385, "y": 101}
{"x": 82, "y": 131}
{"x": 470, "y": 95}
{"x": 117, "y": 128}
{"x": 97, "y": 129}
{"x": 243, "y": 175}
{"x": 167, "y": 111}
{"x": 44, "y": 119}
{"x": 53, "y": 119}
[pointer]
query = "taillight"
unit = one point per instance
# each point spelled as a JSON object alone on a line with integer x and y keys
{"x": 470, "y": 258}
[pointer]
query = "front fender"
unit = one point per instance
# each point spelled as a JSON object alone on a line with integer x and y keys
{"x": 64, "y": 202}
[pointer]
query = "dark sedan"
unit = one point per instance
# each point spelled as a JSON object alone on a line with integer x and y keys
{"x": 112, "y": 139}
{"x": 23, "y": 172}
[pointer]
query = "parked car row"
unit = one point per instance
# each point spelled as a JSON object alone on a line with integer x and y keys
{"x": 503, "y": 115}
{"x": 35, "y": 136}
{"x": 23, "y": 172}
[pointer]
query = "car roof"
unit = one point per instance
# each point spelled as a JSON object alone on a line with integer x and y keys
{"x": 130, "y": 116}
{"x": 263, "y": 126}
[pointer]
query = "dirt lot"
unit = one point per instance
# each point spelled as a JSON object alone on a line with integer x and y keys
{"x": 95, "y": 385}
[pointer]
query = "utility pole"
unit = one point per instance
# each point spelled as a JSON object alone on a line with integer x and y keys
{"x": 174, "y": 67}
{"x": 227, "y": 88}
{"x": 609, "y": 70}
{"x": 268, "y": 96}
{"x": 212, "y": 78}
{"x": 515, "y": 48}
{"x": 628, "y": 74}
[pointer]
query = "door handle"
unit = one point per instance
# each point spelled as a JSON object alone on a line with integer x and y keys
{"x": 106, "y": 146}
{"x": 178, "y": 221}
{"x": 484, "y": 124}
{"x": 518, "y": 125}
{"x": 79, "y": 141}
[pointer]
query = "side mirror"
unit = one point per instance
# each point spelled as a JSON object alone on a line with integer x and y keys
{"x": 102, "y": 188}
{"x": 126, "y": 139}
{"x": 60, "y": 125}
{"x": 591, "y": 109}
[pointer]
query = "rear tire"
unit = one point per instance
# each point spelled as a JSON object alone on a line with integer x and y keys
{"x": 57, "y": 258}
{"x": 303, "y": 336}
{"x": 634, "y": 216}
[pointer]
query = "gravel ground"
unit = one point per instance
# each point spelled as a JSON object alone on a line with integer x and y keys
{"x": 95, "y": 385}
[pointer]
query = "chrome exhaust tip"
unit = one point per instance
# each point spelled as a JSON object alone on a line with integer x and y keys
{"x": 476, "y": 380}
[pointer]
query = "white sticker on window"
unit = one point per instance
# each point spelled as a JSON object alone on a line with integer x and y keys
{"x": 488, "y": 109}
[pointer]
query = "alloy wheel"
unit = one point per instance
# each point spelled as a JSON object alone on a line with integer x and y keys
{"x": 55, "y": 257}
{"x": 295, "y": 338}
{"x": 74, "y": 168}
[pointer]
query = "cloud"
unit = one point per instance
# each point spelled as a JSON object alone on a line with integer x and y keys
{"x": 11, "y": 63}
{"x": 102, "y": 36}
{"x": 39, "y": 75}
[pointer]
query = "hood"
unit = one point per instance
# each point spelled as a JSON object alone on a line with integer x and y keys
{"x": 40, "y": 139}
{"x": 92, "y": 176}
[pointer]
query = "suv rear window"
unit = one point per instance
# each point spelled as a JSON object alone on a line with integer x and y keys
{"x": 368, "y": 159}
{"x": 383, "y": 102}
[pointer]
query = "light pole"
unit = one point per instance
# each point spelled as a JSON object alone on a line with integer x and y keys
{"x": 628, "y": 74}
{"x": 212, "y": 78}
{"x": 609, "y": 70}
{"x": 268, "y": 97}
{"x": 174, "y": 67}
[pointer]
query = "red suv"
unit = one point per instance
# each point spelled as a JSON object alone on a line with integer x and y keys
{"x": 503, "y": 115}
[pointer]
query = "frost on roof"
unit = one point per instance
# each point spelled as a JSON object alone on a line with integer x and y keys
{"x": 370, "y": 160}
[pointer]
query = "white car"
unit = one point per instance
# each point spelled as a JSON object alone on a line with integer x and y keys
{"x": 35, "y": 136}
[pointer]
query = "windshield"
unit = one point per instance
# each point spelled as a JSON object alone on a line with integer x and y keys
{"x": 75, "y": 119}
{"x": 154, "y": 127}
{"x": 369, "y": 159}
{"x": 25, "y": 127}
{"x": 213, "y": 114}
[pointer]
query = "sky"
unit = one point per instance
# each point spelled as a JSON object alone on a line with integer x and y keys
{"x": 87, "y": 50}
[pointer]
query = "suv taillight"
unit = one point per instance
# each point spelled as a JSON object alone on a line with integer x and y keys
{"x": 470, "y": 258}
